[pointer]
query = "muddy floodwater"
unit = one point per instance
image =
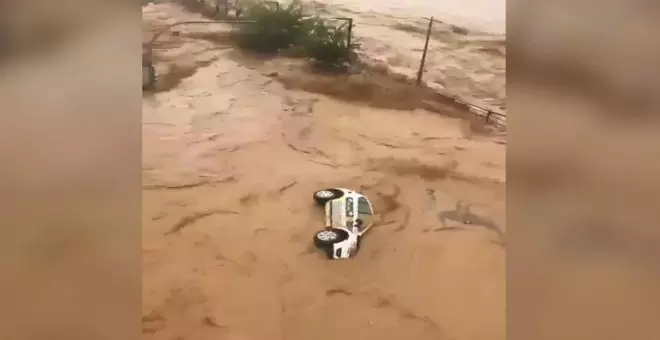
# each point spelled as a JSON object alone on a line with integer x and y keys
{"x": 233, "y": 148}
{"x": 467, "y": 49}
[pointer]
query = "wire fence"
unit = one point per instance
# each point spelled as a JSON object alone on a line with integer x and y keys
{"x": 229, "y": 11}
{"x": 490, "y": 115}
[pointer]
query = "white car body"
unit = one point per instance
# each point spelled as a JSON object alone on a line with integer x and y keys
{"x": 342, "y": 213}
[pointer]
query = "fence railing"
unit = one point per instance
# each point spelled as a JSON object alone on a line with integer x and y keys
{"x": 490, "y": 115}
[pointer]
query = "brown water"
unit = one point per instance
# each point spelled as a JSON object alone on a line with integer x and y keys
{"x": 231, "y": 158}
{"x": 484, "y": 15}
{"x": 467, "y": 49}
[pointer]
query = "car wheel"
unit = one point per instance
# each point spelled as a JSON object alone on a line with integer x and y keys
{"x": 323, "y": 196}
{"x": 326, "y": 238}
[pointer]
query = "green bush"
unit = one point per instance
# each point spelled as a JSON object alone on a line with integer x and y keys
{"x": 273, "y": 29}
{"x": 328, "y": 45}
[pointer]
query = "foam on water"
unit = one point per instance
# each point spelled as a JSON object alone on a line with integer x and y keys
{"x": 485, "y": 15}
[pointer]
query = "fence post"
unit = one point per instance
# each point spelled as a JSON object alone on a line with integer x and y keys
{"x": 420, "y": 72}
{"x": 349, "y": 33}
{"x": 349, "y": 30}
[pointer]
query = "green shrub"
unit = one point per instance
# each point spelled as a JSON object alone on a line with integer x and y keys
{"x": 273, "y": 29}
{"x": 327, "y": 45}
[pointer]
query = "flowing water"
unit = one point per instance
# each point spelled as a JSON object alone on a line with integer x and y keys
{"x": 467, "y": 52}
{"x": 485, "y": 15}
{"x": 231, "y": 157}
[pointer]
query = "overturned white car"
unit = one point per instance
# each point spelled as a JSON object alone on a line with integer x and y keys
{"x": 348, "y": 216}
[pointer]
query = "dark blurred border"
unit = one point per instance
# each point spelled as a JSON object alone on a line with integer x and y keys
{"x": 70, "y": 176}
{"x": 582, "y": 168}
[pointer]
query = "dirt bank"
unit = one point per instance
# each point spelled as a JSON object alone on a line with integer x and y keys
{"x": 231, "y": 157}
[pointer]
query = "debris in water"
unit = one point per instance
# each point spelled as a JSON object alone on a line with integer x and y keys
{"x": 188, "y": 220}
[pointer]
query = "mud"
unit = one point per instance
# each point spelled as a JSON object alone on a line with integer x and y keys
{"x": 232, "y": 152}
{"x": 367, "y": 83}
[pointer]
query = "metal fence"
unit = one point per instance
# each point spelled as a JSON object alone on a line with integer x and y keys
{"x": 490, "y": 115}
{"x": 228, "y": 11}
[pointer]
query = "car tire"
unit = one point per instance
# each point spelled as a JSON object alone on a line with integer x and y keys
{"x": 326, "y": 238}
{"x": 321, "y": 197}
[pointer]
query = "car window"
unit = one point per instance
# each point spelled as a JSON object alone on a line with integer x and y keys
{"x": 363, "y": 206}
